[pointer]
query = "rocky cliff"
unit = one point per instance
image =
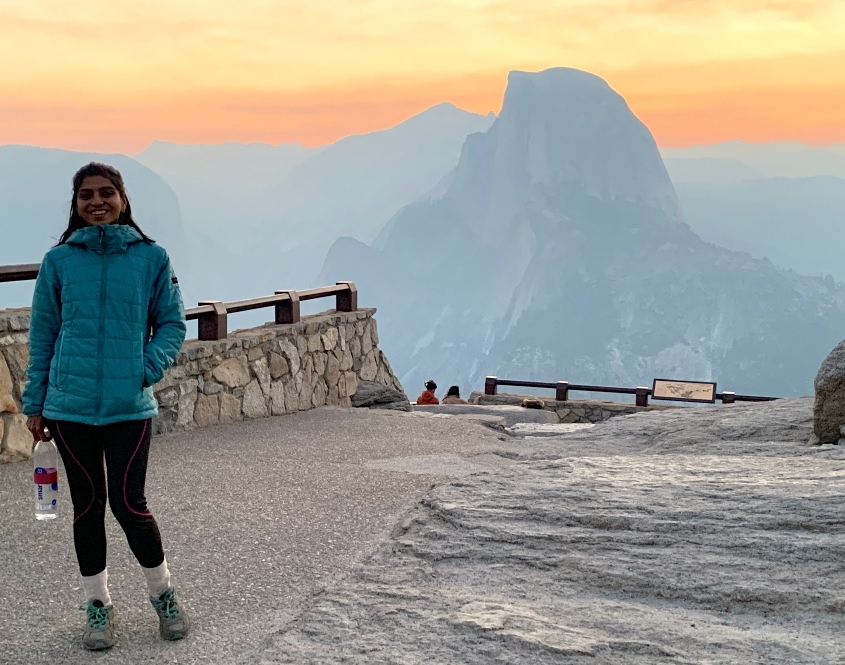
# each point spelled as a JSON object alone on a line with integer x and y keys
{"x": 557, "y": 250}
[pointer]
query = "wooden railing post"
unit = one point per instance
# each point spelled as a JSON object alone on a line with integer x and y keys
{"x": 288, "y": 311}
{"x": 728, "y": 397}
{"x": 562, "y": 391}
{"x": 490, "y": 385}
{"x": 642, "y": 396}
{"x": 348, "y": 300}
{"x": 214, "y": 325}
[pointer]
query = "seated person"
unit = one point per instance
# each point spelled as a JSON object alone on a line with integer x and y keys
{"x": 453, "y": 396}
{"x": 427, "y": 396}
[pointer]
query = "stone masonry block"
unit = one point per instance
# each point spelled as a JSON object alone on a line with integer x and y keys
{"x": 18, "y": 439}
{"x": 230, "y": 408}
{"x": 233, "y": 372}
{"x": 254, "y": 405}
{"x": 207, "y": 411}
{"x": 278, "y": 366}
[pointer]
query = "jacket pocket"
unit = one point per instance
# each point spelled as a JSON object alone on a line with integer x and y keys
{"x": 60, "y": 363}
{"x": 140, "y": 368}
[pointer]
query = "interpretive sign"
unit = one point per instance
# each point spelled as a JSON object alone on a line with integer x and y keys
{"x": 684, "y": 391}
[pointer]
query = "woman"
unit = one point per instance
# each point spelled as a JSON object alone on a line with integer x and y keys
{"x": 107, "y": 321}
{"x": 453, "y": 396}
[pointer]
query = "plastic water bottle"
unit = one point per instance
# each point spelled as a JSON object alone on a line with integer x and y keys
{"x": 45, "y": 458}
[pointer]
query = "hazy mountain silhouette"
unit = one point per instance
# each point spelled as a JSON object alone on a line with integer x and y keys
{"x": 35, "y": 194}
{"x": 548, "y": 244}
{"x": 784, "y": 201}
{"x": 798, "y": 223}
{"x": 716, "y": 170}
{"x": 269, "y": 214}
{"x": 223, "y": 187}
{"x": 255, "y": 217}
{"x": 557, "y": 250}
{"x": 784, "y": 159}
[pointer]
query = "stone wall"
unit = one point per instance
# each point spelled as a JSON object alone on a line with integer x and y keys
{"x": 15, "y": 439}
{"x": 571, "y": 411}
{"x": 254, "y": 373}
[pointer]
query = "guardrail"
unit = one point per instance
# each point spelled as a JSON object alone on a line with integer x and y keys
{"x": 212, "y": 316}
{"x": 641, "y": 393}
{"x": 19, "y": 273}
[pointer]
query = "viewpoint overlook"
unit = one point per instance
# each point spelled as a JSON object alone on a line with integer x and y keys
{"x": 315, "y": 515}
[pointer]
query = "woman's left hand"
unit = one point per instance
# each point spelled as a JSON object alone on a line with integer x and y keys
{"x": 36, "y": 426}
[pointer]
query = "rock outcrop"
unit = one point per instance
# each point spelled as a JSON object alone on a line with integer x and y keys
{"x": 829, "y": 406}
{"x": 569, "y": 411}
{"x": 379, "y": 396}
{"x": 693, "y": 535}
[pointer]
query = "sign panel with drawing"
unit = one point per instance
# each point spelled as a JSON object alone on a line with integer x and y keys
{"x": 684, "y": 391}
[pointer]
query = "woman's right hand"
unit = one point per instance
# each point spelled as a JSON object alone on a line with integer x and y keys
{"x": 36, "y": 426}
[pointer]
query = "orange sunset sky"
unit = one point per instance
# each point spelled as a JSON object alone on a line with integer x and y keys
{"x": 113, "y": 75}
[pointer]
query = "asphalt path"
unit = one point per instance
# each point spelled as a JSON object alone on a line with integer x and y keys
{"x": 258, "y": 519}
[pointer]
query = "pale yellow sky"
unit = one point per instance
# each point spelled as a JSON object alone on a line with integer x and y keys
{"x": 114, "y": 74}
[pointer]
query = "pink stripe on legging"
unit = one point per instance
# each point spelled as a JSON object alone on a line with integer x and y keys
{"x": 93, "y": 490}
{"x": 126, "y": 475}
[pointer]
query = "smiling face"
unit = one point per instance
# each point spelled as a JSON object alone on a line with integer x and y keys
{"x": 99, "y": 201}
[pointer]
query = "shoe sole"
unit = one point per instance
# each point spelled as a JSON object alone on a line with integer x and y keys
{"x": 175, "y": 635}
{"x": 99, "y": 645}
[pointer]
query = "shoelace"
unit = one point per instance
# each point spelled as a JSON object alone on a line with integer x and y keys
{"x": 98, "y": 617}
{"x": 167, "y": 606}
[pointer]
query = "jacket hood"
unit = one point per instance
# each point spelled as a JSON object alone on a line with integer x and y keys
{"x": 105, "y": 239}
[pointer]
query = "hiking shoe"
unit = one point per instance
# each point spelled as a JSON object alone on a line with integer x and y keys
{"x": 173, "y": 622}
{"x": 99, "y": 633}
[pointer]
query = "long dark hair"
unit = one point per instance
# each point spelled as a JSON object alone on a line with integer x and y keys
{"x": 96, "y": 169}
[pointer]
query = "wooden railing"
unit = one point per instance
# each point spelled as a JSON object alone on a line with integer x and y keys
{"x": 212, "y": 315}
{"x": 19, "y": 273}
{"x": 641, "y": 393}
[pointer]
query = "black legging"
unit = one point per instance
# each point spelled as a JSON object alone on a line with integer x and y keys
{"x": 126, "y": 446}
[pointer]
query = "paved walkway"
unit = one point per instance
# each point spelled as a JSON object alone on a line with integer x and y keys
{"x": 257, "y": 519}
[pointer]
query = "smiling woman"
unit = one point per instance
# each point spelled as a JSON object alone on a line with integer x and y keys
{"x": 107, "y": 320}
{"x": 211, "y": 71}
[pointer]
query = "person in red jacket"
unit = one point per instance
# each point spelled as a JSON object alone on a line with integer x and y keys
{"x": 427, "y": 395}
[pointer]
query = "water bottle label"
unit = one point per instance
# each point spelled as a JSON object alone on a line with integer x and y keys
{"x": 46, "y": 476}
{"x": 46, "y": 488}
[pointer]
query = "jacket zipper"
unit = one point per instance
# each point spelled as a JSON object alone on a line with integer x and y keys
{"x": 101, "y": 338}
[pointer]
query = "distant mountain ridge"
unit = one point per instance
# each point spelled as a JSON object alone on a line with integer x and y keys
{"x": 557, "y": 250}
{"x": 782, "y": 201}
{"x": 35, "y": 193}
{"x": 270, "y": 213}
{"x": 783, "y": 159}
{"x": 241, "y": 220}
{"x": 548, "y": 242}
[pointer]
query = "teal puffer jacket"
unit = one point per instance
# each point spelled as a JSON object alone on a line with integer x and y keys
{"x": 107, "y": 321}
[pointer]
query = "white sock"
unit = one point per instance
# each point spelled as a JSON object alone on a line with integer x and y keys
{"x": 158, "y": 579}
{"x": 97, "y": 587}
